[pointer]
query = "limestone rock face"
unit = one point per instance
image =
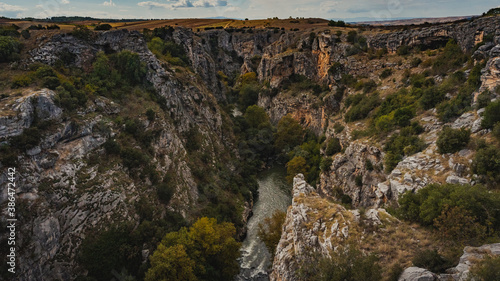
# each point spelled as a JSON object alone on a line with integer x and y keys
{"x": 19, "y": 114}
{"x": 347, "y": 166}
{"x": 467, "y": 35}
{"x": 73, "y": 194}
{"x": 417, "y": 274}
{"x": 471, "y": 256}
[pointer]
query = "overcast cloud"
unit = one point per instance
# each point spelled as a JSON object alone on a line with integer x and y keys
{"x": 255, "y": 9}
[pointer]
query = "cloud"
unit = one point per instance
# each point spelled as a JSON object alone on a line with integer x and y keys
{"x": 10, "y": 8}
{"x": 108, "y": 3}
{"x": 232, "y": 9}
{"x": 358, "y": 10}
{"x": 184, "y": 4}
{"x": 64, "y": 1}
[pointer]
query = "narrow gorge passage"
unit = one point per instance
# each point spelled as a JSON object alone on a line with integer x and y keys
{"x": 274, "y": 194}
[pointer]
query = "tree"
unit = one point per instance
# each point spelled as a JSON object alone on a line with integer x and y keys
{"x": 9, "y": 48}
{"x": 171, "y": 263}
{"x": 491, "y": 116}
{"x": 103, "y": 27}
{"x": 459, "y": 225}
{"x": 333, "y": 147}
{"x": 295, "y": 166}
{"x": 208, "y": 248}
{"x": 289, "y": 134}
{"x": 270, "y": 230}
{"x": 256, "y": 117}
{"x": 452, "y": 140}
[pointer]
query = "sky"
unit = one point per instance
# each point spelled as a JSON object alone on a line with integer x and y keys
{"x": 253, "y": 9}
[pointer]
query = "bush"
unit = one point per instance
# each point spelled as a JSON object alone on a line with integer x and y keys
{"x": 432, "y": 201}
{"x": 386, "y": 73}
{"x": 165, "y": 192}
{"x": 82, "y": 32}
{"x": 431, "y": 260}
{"x": 103, "y": 27}
{"x": 150, "y": 114}
{"x": 326, "y": 163}
{"x": 270, "y": 230}
{"x": 486, "y": 269}
{"x": 298, "y": 165}
{"x": 452, "y": 140}
{"x": 9, "y": 49}
{"x": 487, "y": 163}
{"x": 359, "y": 180}
{"x": 348, "y": 264}
{"x": 333, "y": 147}
{"x": 490, "y": 115}
{"x": 362, "y": 108}
{"x": 483, "y": 99}
{"x": 20, "y": 81}
{"x": 289, "y": 134}
{"x": 338, "y": 128}
{"x": 112, "y": 147}
{"x": 415, "y": 62}
{"x": 405, "y": 143}
{"x": 130, "y": 67}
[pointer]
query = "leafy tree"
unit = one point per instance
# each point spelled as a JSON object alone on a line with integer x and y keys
{"x": 289, "y": 134}
{"x": 208, "y": 248}
{"x": 459, "y": 225}
{"x": 248, "y": 95}
{"x": 490, "y": 115}
{"x": 171, "y": 264}
{"x": 256, "y": 117}
{"x": 130, "y": 67}
{"x": 9, "y": 49}
{"x": 452, "y": 140}
{"x": 333, "y": 147}
{"x": 270, "y": 230}
{"x": 295, "y": 166}
{"x": 486, "y": 162}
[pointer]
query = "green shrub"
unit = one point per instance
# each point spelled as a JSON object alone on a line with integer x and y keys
{"x": 431, "y": 260}
{"x": 452, "y": 58}
{"x": 130, "y": 67}
{"x": 326, "y": 163}
{"x": 9, "y": 49}
{"x": 368, "y": 165}
{"x": 403, "y": 50}
{"x": 362, "y": 108}
{"x": 338, "y": 128}
{"x": 257, "y": 117}
{"x": 112, "y": 147}
{"x": 82, "y": 32}
{"x": 415, "y": 62}
{"x": 103, "y": 27}
{"x": 26, "y": 34}
{"x": 431, "y": 97}
{"x": 270, "y": 230}
{"x": 486, "y": 162}
{"x": 333, "y": 147}
{"x": 109, "y": 250}
{"x": 483, "y": 99}
{"x": 21, "y": 81}
{"x": 347, "y": 264}
{"x": 405, "y": 143}
{"x": 386, "y": 73}
{"x": 51, "y": 82}
{"x": 452, "y": 140}
{"x": 165, "y": 192}
{"x": 486, "y": 269}
{"x": 359, "y": 180}
{"x": 490, "y": 115}
{"x": 289, "y": 134}
{"x": 430, "y": 202}
{"x": 8, "y": 156}
{"x": 496, "y": 131}
{"x": 150, "y": 114}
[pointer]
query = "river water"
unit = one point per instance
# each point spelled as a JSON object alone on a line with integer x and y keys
{"x": 274, "y": 194}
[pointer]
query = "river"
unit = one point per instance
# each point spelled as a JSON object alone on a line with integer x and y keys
{"x": 274, "y": 194}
